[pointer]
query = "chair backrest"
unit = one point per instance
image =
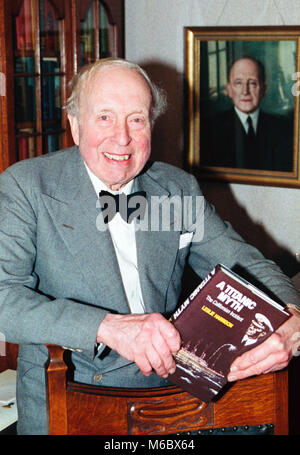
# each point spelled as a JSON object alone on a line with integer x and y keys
{"x": 258, "y": 404}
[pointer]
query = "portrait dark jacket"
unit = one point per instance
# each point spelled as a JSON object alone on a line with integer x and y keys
{"x": 224, "y": 142}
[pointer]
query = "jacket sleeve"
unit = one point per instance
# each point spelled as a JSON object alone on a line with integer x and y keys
{"x": 27, "y": 315}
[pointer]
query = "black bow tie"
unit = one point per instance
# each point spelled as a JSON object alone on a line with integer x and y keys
{"x": 129, "y": 207}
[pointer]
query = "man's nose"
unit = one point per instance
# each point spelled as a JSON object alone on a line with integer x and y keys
{"x": 122, "y": 133}
{"x": 246, "y": 88}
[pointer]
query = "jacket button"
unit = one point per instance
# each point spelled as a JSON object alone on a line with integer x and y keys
{"x": 97, "y": 377}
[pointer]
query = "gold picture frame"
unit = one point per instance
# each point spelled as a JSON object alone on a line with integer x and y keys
{"x": 209, "y": 53}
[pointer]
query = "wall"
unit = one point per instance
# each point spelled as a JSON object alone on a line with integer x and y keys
{"x": 266, "y": 216}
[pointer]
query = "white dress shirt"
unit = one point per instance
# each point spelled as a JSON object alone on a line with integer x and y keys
{"x": 123, "y": 238}
{"x": 243, "y": 118}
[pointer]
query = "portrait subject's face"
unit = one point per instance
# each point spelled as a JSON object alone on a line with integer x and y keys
{"x": 245, "y": 87}
{"x": 113, "y": 131}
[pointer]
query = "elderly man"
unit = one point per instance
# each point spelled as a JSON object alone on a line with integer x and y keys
{"x": 103, "y": 292}
{"x": 245, "y": 136}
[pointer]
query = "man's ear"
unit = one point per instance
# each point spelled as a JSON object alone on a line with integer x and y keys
{"x": 74, "y": 124}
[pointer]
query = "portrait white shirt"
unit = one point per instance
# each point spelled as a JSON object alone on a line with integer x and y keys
{"x": 123, "y": 238}
{"x": 243, "y": 118}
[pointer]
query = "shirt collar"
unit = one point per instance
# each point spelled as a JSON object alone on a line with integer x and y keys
{"x": 243, "y": 117}
{"x": 99, "y": 185}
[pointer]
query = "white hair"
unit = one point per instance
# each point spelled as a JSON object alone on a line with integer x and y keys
{"x": 159, "y": 101}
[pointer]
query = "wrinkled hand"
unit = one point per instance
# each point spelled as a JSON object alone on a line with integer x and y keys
{"x": 272, "y": 355}
{"x": 146, "y": 339}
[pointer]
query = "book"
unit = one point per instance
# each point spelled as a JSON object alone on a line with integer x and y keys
{"x": 23, "y": 151}
{"x": 26, "y": 143}
{"x": 223, "y": 317}
{"x": 25, "y": 108}
{"x": 103, "y": 32}
{"x": 50, "y": 84}
{"x": 49, "y": 39}
{"x": 23, "y": 27}
{"x": 24, "y": 65}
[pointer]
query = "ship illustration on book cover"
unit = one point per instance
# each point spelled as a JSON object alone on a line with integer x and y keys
{"x": 222, "y": 318}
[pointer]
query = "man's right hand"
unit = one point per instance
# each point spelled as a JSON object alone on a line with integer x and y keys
{"x": 146, "y": 339}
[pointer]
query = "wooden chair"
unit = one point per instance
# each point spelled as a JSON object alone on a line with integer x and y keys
{"x": 257, "y": 405}
{"x": 9, "y": 360}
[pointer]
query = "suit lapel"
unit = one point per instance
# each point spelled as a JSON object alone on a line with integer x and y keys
{"x": 73, "y": 208}
{"x": 156, "y": 249}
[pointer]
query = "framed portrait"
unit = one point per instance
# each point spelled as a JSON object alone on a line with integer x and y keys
{"x": 243, "y": 86}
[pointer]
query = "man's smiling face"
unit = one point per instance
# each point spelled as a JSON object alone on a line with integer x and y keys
{"x": 113, "y": 130}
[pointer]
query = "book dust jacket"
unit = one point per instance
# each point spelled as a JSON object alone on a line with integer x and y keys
{"x": 222, "y": 318}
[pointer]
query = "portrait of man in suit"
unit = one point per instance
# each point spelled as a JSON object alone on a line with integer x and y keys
{"x": 245, "y": 136}
{"x": 105, "y": 294}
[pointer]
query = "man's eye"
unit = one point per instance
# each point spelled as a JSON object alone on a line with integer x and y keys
{"x": 104, "y": 117}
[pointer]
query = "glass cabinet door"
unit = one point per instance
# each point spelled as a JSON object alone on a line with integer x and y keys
{"x": 25, "y": 80}
{"x": 48, "y": 41}
{"x": 51, "y": 75}
{"x": 98, "y": 34}
{"x": 37, "y": 77}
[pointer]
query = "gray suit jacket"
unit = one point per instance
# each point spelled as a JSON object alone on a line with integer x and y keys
{"x": 59, "y": 274}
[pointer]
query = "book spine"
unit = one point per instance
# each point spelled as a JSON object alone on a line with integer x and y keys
{"x": 190, "y": 299}
{"x": 104, "y": 42}
{"x": 42, "y": 25}
{"x": 50, "y": 28}
{"x": 28, "y": 25}
{"x": 52, "y": 143}
{"x": 23, "y": 148}
{"x": 20, "y": 30}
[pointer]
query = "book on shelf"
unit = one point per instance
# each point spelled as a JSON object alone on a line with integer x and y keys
{"x": 25, "y": 99}
{"x": 224, "y": 317}
{"x": 22, "y": 148}
{"x": 26, "y": 143}
{"x": 87, "y": 38}
{"x": 24, "y": 28}
{"x": 51, "y": 142}
{"x": 104, "y": 27}
{"x": 48, "y": 27}
{"x": 24, "y": 65}
{"x": 51, "y": 105}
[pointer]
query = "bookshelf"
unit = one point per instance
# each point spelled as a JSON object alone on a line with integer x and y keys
{"x": 42, "y": 44}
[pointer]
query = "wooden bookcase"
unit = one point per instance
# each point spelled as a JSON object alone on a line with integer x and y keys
{"x": 42, "y": 44}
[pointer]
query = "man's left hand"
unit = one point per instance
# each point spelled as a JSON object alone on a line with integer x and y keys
{"x": 273, "y": 354}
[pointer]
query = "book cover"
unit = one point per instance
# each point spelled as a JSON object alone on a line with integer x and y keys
{"x": 222, "y": 318}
